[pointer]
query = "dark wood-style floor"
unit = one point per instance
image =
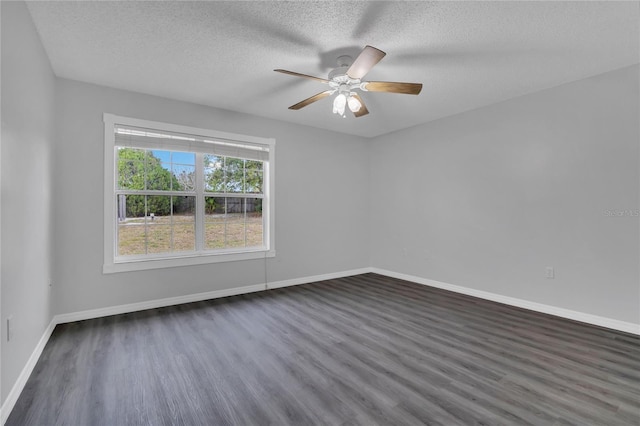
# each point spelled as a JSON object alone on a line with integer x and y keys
{"x": 363, "y": 350}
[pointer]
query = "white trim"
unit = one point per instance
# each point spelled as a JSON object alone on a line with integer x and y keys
{"x": 18, "y": 386}
{"x": 627, "y": 327}
{"x": 191, "y": 259}
{"x": 157, "y": 303}
{"x": 109, "y": 226}
{"x": 170, "y": 301}
{"x": 315, "y": 278}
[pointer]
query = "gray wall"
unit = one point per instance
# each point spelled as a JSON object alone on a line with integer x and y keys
{"x": 322, "y": 192}
{"x": 27, "y": 141}
{"x": 489, "y": 198}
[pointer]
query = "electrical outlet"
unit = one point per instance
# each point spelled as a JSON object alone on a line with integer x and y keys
{"x": 549, "y": 273}
{"x": 9, "y": 328}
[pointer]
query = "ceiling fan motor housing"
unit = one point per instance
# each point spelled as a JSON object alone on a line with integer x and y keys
{"x": 339, "y": 80}
{"x": 339, "y": 74}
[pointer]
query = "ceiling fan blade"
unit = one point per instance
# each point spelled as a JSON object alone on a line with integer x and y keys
{"x": 363, "y": 109}
{"x": 297, "y": 74}
{"x": 393, "y": 87}
{"x": 365, "y": 61}
{"x": 311, "y": 100}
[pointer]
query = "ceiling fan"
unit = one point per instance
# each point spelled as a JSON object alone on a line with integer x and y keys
{"x": 347, "y": 78}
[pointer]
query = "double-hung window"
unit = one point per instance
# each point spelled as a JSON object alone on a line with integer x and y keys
{"x": 177, "y": 195}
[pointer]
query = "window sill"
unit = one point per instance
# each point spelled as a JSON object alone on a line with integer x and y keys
{"x": 197, "y": 259}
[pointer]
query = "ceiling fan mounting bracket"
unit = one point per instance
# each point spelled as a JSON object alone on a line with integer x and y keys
{"x": 344, "y": 61}
{"x": 339, "y": 74}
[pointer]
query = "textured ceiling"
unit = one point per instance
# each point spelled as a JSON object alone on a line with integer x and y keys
{"x": 222, "y": 54}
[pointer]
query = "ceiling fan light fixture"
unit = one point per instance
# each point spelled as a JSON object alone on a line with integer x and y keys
{"x": 339, "y": 104}
{"x": 347, "y": 80}
{"x": 354, "y": 104}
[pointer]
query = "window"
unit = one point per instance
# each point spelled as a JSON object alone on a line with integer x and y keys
{"x": 177, "y": 195}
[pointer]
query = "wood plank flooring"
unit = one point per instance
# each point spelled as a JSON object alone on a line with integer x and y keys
{"x": 364, "y": 350}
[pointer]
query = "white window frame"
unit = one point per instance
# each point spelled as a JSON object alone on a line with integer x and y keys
{"x": 113, "y": 263}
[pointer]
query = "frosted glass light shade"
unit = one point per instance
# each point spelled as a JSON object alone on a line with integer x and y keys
{"x": 354, "y": 104}
{"x": 339, "y": 104}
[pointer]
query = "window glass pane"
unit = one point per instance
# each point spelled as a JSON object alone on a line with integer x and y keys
{"x": 213, "y": 173}
{"x": 131, "y": 225}
{"x": 163, "y": 156}
{"x": 214, "y": 223}
{"x": 183, "y": 167}
{"x": 131, "y": 168}
{"x": 184, "y": 209}
{"x": 253, "y": 183}
{"x": 184, "y": 158}
{"x": 254, "y": 222}
{"x": 253, "y": 172}
{"x": 253, "y": 165}
{"x": 155, "y": 224}
{"x": 234, "y": 174}
{"x": 159, "y": 175}
{"x": 158, "y": 237}
{"x": 235, "y": 206}
{"x": 131, "y": 208}
{"x": 183, "y": 223}
{"x": 235, "y": 222}
{"x": 214, "y": 208}
{"x": 158, "y": 224}
{"x": 184, "y": 177}
{"x": 159, "y": 209}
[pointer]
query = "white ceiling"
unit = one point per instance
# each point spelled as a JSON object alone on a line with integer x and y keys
{"x": 222, "y": 54}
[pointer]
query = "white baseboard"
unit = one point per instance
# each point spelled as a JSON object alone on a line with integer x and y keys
{"x": 170, "y": 301}
{"x": 627, "y": 327}
{"x": 16, "y": 390}
{"x": 157, "y": 303}
{"x": 315, "y": 278}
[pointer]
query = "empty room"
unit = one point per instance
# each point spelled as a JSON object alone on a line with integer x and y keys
{"x": 320, "y": 213}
